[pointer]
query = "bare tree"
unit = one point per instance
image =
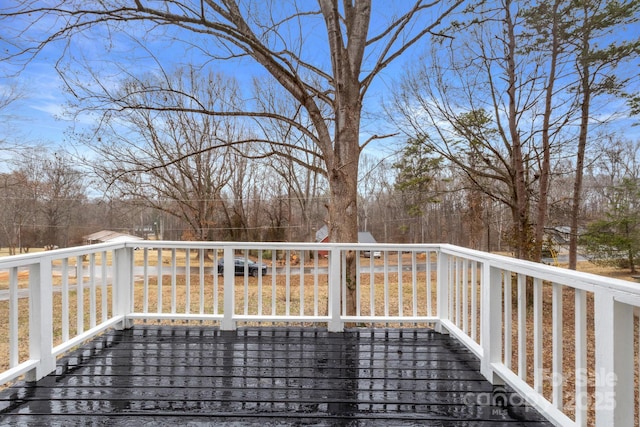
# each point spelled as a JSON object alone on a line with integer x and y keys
{"x": 61, "y": 194}
{"x": 491, "y": 109}
{"x": 298, "y": 163}
{"x": 375, "y": 182}
{"x": 165, "y": 159}
{"x": 235, "y": 206}
{"x": 18, "y": 209}
{"x": 9, "y": 94}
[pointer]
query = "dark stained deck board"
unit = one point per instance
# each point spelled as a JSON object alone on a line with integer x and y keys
{"x": 177, "y": 375}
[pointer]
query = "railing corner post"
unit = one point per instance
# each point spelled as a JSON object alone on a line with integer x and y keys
{"x": 335, "y": 288}
{"x": 491, "y": 321}
{"x": 442, "y": 294}
{"x": 228, "y": 290}
{"x": 123, "y": 284}
{"x": 41, "y": 319}
{"x": 614, "y": 359}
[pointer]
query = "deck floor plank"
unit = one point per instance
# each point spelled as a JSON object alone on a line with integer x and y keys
{"x": 197, "y": 375}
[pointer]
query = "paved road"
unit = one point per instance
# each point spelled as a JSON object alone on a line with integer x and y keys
{"x": 563, "y": 258}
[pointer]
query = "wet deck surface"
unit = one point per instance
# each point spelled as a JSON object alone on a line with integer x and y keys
{"x": 175, "y": 375}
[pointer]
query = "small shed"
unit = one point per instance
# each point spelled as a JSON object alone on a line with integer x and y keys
{"x": 109, "y": 236}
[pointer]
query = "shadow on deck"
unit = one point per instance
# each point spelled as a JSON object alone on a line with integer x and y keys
{"x": 169, "y": 375}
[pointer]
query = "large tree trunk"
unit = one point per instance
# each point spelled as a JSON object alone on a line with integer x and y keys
{"x": 343, "y": 224}
{"x": 343, "y": 185}
{"x": 342, "y": 163}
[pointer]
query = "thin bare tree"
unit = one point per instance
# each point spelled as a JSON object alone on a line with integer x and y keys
{"x": 164, "y": 159}
{"x": 61, "y": 193}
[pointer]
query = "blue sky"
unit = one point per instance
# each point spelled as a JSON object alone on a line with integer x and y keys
{"x": 40, "y": 116}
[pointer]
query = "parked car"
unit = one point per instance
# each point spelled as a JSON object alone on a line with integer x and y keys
{"x": 376, "y": 254}
{"x": 239, "y": 265}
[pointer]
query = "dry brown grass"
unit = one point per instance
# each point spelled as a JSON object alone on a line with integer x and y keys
{"x": 294, "y": 297}
{"x": 567, "y": 378}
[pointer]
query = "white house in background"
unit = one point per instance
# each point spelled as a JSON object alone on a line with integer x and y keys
{"x": 108, "y": 236}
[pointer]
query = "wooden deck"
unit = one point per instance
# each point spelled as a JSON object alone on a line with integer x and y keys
{"x": 179, "y": 375}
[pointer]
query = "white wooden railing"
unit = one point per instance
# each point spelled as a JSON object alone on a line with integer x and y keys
{"x": 566, "y": 341}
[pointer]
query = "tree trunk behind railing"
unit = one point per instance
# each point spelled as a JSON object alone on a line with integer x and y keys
{"x": 343, "y": 223}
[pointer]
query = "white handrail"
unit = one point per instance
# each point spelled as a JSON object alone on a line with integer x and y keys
{"x": 502, "y": 309}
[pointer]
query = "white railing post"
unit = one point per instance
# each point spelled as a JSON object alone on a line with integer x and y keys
{"x": 41, "y": 319}
{"x": 443, "y": 295}
{"x": 614, "y": 361}
{"x": 228, "y": 290}
{"x": 123, "y": 284}
{"x": 335, "y": 287}
{"x": 491, "y": 321}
